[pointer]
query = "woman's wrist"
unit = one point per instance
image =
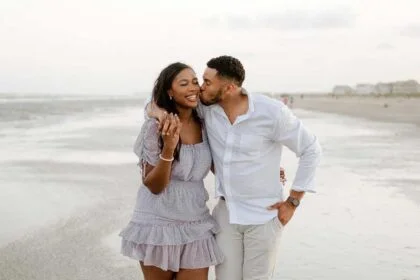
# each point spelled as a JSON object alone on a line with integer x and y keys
{"x": 166, "y": 159}
{"x": 167, "y": 152}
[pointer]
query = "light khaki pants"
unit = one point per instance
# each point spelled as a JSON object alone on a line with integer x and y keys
{"x": 249, "y": 250}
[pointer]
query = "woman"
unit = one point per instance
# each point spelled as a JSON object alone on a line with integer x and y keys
{"x": 172, "y": 232}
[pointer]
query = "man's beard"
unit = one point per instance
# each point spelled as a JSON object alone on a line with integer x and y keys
{"x": 212, "y": 101}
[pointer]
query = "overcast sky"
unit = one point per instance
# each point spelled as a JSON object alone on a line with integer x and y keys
{"x": 119, "y": 47}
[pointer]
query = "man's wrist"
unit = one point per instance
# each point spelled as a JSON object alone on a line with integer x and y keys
{"x": 293, "y": 201}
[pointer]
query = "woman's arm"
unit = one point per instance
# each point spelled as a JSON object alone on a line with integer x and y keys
{"x": 156, "y": 178}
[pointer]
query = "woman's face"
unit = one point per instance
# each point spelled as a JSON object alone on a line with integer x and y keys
{"x": 185, "y": 89}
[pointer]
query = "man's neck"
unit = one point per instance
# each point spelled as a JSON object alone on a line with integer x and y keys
{"x": 235, "y": 105}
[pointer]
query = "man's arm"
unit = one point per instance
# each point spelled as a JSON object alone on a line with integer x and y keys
{"x": 291, "y": 132}
{"x": 152, "y": 110}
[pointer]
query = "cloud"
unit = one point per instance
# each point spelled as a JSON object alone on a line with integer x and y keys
{"x": 385, "y": 47}
{"x": 292, "y": 20}
{"x": 412, "y": 31}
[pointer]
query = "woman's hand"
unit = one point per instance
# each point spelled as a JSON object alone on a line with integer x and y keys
{"x": 283, "y": 178}
{"x": 171, "y": 129}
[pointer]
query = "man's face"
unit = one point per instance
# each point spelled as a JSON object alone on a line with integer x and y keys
{"x": 211, "y": 90}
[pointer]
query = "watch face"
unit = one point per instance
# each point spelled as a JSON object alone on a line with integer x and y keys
{"x": 294, "y": 201}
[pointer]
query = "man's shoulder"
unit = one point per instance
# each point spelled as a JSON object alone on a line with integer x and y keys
{"x": 264, "y": 103}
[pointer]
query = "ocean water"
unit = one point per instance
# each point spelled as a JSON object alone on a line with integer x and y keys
{"x": 47, "y": 144}
{"x": 68, "y": 180}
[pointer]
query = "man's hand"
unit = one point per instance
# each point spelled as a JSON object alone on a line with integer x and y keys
{"x": 154, "y": 111}
{"x": 285, "y": 211}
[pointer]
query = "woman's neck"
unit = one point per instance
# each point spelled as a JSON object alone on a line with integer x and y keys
{"x": 185, "y": 114}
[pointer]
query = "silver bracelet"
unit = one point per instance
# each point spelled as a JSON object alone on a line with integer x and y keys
{"x": 166, "y": 159}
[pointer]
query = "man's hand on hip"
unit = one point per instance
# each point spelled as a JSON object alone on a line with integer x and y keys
{"x": 285, "y": 211}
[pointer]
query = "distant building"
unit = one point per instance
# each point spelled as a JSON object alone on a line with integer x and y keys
{"x": 383, "y": 88}
{"x": 398, "y": 87}
{"x": 342, "y": 89}
{"x": 365, "y": 89}
{"x": 405, "y": 87}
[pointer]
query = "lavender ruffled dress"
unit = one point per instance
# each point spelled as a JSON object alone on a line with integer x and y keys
{"x": 173, "y": 229}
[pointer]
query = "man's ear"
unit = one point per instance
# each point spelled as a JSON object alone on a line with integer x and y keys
{"x": 228, "y": 88}
{"x": 232, "y": 87}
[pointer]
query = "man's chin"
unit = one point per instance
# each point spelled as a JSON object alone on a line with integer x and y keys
{"x": 206, "y": 102}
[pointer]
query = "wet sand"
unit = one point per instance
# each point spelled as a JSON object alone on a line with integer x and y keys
{"x": 385, "y": 109}
{"x": 70, "y": 190}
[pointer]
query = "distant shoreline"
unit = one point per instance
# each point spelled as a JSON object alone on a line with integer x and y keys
{"x": 392, "y": 108}
{"x": 385, "y": 108}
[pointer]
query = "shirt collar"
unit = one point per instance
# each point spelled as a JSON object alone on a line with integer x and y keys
{"x": 250, "y": 102}
{"x": 251, "y": 106}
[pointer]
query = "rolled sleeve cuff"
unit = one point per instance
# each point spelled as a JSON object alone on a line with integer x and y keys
{"x": 304, "y": 189}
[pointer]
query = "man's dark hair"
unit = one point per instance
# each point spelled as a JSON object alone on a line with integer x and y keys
{"x": 228, "y": 67}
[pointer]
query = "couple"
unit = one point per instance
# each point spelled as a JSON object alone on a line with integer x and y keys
{"x": 239, "y": 137}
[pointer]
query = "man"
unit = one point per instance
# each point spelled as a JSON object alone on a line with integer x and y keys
{"x": 246, "y": 135}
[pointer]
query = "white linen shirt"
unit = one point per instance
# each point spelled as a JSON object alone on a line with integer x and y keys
{"x": 246, "y": 156}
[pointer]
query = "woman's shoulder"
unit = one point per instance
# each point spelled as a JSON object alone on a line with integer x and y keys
{"x": 147, "y": 138}
{"x": 150, "y": 125}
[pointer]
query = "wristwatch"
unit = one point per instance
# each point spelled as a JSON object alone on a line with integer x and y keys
{"x": 294, "y": 201}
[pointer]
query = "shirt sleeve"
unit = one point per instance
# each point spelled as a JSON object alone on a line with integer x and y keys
{"x": 146, "y": 146}
{"x": 291, "y": 132}
{"x": 146, "y": 103}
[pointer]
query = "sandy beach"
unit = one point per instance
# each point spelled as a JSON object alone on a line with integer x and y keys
{"x": 69, "y": 180}
{"x": 384, "y": 109}
{"x": 74, "y": 77}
